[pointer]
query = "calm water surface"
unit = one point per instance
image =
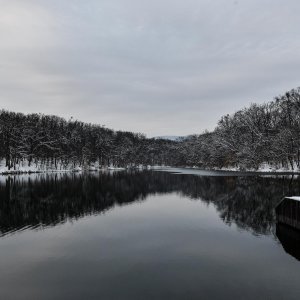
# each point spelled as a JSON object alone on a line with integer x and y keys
{"x": 146, "y": 235}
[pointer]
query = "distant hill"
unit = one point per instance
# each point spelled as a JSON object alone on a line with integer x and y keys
{"x": 174, "y": 138}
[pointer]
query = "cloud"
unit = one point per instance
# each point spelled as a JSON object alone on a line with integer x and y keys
{"x": 158, "y": 67}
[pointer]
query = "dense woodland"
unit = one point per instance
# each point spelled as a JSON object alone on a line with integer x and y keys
{"x": 266, "y": 133}
{"x": 54, "y": 142}
{"x": 260, "y": 134}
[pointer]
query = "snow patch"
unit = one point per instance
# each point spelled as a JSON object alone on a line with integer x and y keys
{"x": 296, "y": 198}
{"x": 115, "y": 169}
{"x": 263, "y": 168}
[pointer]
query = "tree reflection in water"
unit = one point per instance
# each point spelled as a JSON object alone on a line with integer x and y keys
{"x": 37, "y": 201}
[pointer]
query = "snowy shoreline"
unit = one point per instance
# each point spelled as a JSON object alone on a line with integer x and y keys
{"x": 42, "y": 169}
{"x": 259, "y": 171}
{"x": 265, "y": 168}
{"x": 34, "y": 170}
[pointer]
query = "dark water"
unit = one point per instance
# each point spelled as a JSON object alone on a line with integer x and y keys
{"x": 146, "y": 235}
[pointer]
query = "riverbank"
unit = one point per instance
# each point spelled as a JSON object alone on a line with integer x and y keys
{"x": 39, "y": 168}
{"x": 24, "y": 168}
{"x": 265, "y": 168}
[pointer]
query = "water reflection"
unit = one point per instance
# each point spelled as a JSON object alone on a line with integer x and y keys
{"x": 166, "y": 236}
{"x": 37, "y": 201}
{"x": 289, "y": 239}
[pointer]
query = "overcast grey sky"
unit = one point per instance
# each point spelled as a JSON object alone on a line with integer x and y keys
{"x": 161, "y": 67}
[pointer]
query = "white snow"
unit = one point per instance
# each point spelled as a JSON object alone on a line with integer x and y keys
{"x": 263, "y": 168}
{"x": 296, "y": 198}
{"x": 38, "y": 167}
{"x": 115, "y": 169}
{"x": 24, "y": 168}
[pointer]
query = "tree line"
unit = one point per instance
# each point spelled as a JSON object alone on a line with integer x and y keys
{"x": 261, "y": 134}
{"x": 54, "y": 142}
{"x": 266, "y": 133}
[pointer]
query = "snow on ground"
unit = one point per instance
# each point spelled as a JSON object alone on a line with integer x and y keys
{"x": 296, "y": 198}
{"x": 25, "y": 168}
{"x": 265, "y": 168}
{"x": 115, "y": 169}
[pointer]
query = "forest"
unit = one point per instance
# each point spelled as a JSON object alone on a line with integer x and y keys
{"x": 265, "y": 134}
{"x": 260, "y": 135}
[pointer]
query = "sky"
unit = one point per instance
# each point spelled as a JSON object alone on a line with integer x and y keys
{"x": 160, "y": 67}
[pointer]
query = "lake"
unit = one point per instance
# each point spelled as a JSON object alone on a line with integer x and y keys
{"x": 172, "y": 234}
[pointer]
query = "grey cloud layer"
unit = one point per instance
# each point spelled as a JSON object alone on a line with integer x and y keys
{"x": 159, "y": 67}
